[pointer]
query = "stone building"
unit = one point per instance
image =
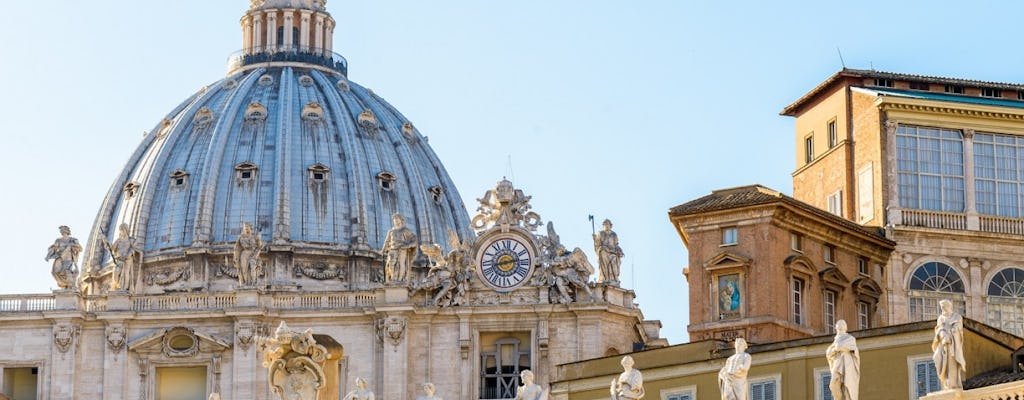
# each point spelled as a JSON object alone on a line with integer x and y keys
{"x": 286, "y": 192}
{"x": 766, "y": 267}
{"x": 937, "y": 162}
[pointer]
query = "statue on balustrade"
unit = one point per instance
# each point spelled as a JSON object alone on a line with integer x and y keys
{"x": 630, "y": 383}
{"x": 732, "y": 378}
{"x": 428, "y": 391}
{"x": 399, "y": 251}
{"x": 246, "y": 258}
{"x": 844, "y": 364}
{"x": 64, "y": 252}
{"x": 948, "y": 347}
{"x": 126, "y": 253}
{"x": 360, "y": 392}
{"x": 609, "y": 254}
{"x": 530, "y": 390}
{"x": 449, "y": 274}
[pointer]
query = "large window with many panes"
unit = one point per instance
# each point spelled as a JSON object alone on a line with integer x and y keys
{"x": 930, "y": 283}
{"x": 930, "y": 168}
{"x": 1006, "y": 300}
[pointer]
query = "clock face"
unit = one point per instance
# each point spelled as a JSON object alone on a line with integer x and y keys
{"x": 505, "y": 263}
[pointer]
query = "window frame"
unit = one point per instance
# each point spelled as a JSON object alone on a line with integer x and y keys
{"x": 863, "y": 315}
{"x": 829, "y": 316}
{"x": 821, "y": 385}
{"x": 832, "y": 129}
{"x": 912, "y": 362}
{"x": 829, "y": 254}
{"x": 809, "y": 148}
{"x": 667, "y": 394}
{"x": 735, "y": 236}
{"x": 863, "y": 266}
{"x": 834, "y": 203}
{"x": 796, "y": 242}
{"x": 759, "y": 380}
{"x": 797, "y": 298}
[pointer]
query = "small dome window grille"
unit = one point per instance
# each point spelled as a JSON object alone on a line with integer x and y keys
{"x": 387, "y": 181}
{"x": 255, "y": 112}
{"x": 436, "y": 193}
{"x": 312, "y": 112}
{"x": 305, "y": 81}
{"x": 266, "y": 80}
{"x": 343, "y": 86}
{"x": 130, "y": 189}
{"x": 179, "y": 178}
{"x": 246, "y": 171}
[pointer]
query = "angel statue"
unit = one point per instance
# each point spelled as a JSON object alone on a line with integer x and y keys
{"x": 64, "y": 253}
{"x": 449, "y": 274}
{"x": 247, "y": 256}
{"x": 569, "y": 273}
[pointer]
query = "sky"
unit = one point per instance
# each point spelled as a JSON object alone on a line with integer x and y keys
{"x": 615, "y": 109}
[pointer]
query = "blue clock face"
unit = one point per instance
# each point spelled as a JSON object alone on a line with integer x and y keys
{"x": 505, "y": 263}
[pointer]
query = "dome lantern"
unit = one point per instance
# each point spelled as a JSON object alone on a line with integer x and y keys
{"x": 287, "y": 32}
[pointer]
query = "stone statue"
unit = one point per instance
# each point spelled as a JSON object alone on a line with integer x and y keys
{"x": 127, "y": 255}
{"x": 449, "y": 274}
{"x": 247, "y": 256}
{"x": 948, "y": 347}
{"x": 630, "y": 383}
{"x": 569, "y": 273}
{"x": 360, "y": 392}
{"x": 428, "y": 390}
{"x": 399, "y": 251}
{"x": 64, "y": 253}
{"x": 214, "y": 396}
{"x": 844, "y": 364}
{"x": 609, "y": 254}
{"x": 293, "y": 361}
{"x": 732, "y": 378}
{"x": 530, "y": 390}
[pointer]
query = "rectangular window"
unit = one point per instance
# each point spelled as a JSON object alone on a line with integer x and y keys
{"x": 999, "y": 174}
{"x": 926, "y": 379}
{"x": 796, "y": 242}
{"x": 883, "y": 82}
{"x": 991, "y": 92}
{"x": 20, "y": 383}
{"x": 865, "y": 194}
{"x": 920, "y": 86}
{"x": 798, "y": 301}
{"x": 862, "y": 266}
{"x": 830, "y": 311}
{"x": 863, "y": 315}
{"x": 955, "y": 89}
{"x": 830, "y": 253}
{"x": 730, "y": 236}
{"x": 809, "y": 148}
{"x": 824, "y": 393}
{"x": 180, "y": 382}
{"x": 1020, "y": 95}
{"x": 764, "y": 390}
{"x": 835, "y": 203}
{"x": 833, "y": 134}
{"x": 930, "y": 167}
{"x": 684, "y": 394}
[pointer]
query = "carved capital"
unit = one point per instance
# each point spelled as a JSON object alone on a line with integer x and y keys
{"x": 968, "y": 134}
{"x": 890, "y": 126}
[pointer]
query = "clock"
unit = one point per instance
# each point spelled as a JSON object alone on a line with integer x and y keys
{"x": 505, "y": 262}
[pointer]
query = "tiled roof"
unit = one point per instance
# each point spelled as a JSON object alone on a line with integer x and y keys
{"x": 867, "y": 73}
{"x": 995, "y": 377}
{"x": 755, "y": 195}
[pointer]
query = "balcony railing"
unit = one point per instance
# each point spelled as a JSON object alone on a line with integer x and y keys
{"x": 934, "y": 219}
{"x": 188, "y": 302}
{"x": 287, "y": 54}
{"x": 1013, "y": 226}
{"x": 1005, "y": 391}
{"x": 27, "y": 303}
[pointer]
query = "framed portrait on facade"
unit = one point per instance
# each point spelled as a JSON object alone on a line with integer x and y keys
{"x": 730, "y": 296}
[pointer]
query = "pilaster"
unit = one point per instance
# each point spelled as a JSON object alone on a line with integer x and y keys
{"x": 272, "y": 30}
{"x": 115, "y": 359}
{"x": 391, "y": 334}
{"x": 63, "y": 357}
{"x": 304, "y": 20}
{"x": 318, "y": 40}
{"x": 289, "y": 22}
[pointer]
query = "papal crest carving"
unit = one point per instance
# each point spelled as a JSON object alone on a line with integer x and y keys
{"x": 64, "y": 336}
{"x": 391, "y": 328}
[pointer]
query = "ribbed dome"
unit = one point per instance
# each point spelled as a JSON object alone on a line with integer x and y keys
{"x": 315, "y": 163}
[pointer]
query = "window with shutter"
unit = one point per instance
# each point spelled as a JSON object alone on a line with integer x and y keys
{"x": 680, "y": 396}
{"x": 764, "y": 390}
{"x": 826, "y": 393}
{"x": 926, "y": 378}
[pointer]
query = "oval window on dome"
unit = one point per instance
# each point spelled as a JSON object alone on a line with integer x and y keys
{"x": 256, "y": 111}
{"x": 313, "y": 112}
{"x": 266, "y": 80}
{"x": 343, "y": 86}
{"x": 305, "y": 81}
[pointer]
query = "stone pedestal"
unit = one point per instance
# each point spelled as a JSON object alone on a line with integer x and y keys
{"x": 396, "y": 294}
{"x": 65, "y": 299}
{"x": 247, "y": 297}
{"x": 119, "y": 301}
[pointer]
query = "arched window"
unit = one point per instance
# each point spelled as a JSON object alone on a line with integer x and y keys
{"x": 931, "y": 282}
{"x": 1006, "y": 300}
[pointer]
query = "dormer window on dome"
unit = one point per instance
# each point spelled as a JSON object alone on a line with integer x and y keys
{"x": 179, "y": 178}
{"x": 266, "y": 80}
{"x": 386, "y": 180}
{"x": 203, "y": 117}
{"x": 318, "y": 173}
{"x": 245, "y": 171}
{"x": 305, "y": 81}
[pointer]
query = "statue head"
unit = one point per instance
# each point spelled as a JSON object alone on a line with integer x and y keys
{"x": 398, "y": 220}
{"x": 741, "y": 345}
{"x": 428, "y": 388}
{"x": 64, "y": 230}
{"x": 946, "y": 306}
{"x": 246, "y": 228}
{"x": 526, "y": 376}
{"x": 627, "y": 363}
{"x": 123, "y": 230}
{"x": 361, "y": 383}
{"x": 841, "y": 327}
{"x": 607, "y": 224}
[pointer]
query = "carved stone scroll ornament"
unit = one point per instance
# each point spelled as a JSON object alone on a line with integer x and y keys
{"x": 64, "y": 336}
{"x": 116, "y": 335}
{"x": 505, "y": 206}
{"x": 167, "y": 275}
{"x": 391, "y": 328}
{"x": 320, "y": 271}
{"x": 293, "y": 361}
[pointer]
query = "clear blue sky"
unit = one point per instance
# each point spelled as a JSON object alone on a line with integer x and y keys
{"x": 617, "y": 109}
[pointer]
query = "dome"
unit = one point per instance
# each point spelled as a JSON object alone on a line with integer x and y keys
{"x": 316, "y": 164}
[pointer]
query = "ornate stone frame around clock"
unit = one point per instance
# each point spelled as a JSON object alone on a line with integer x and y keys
{"x": 494, "y": 234}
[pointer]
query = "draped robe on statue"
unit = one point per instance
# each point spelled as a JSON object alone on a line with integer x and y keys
{"x": 844, "y": 363}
